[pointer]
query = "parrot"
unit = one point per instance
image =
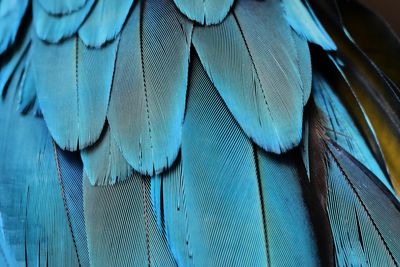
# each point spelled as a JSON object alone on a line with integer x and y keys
{"x": 198, "y": 133}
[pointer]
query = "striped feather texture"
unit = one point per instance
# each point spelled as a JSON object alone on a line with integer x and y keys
{"x": 121, "y": 228}
{"x": 150, "y": 81}
{"x": 257, "y": 76}
{"x": 76, "y": 112}
{"x": 103, "y": 162}
{"x": 105, "y": 22}
{"x": 206, "y": 12}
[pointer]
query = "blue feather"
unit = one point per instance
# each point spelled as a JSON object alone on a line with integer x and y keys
{"x": 11, "y": 15}
{"x": 150, "y": 82}
{"x": 70, "y": 175}
{"x": 105, "y": 22}
{"x": 75, "y": 113}
{"x": 103, "y": 162}
{"x": 205, "y": 11}
{"x": 303, "y": 20}
{"x": 343, "y": 130}
{"x": 34, "y": 223}
{"x": 55, "y": 28}
{"x": 256, "y": 70}
{"x": 62, "y": 7}
{"x": 224, "y": 209}
{"x": 121, "y": 228}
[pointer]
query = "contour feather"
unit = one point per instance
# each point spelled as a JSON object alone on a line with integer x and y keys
{"x": 150, "y": 81}
{"x": 256, "y": 71}
{"x": 105, "y": 22}
{"x": 205, "y": 11}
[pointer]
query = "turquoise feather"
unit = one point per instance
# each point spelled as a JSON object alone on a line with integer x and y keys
{"x": 150, "y": 81}
{"x": 103, "y": 162}
{"x": 303, "y": 20}
{"x": 62, "y": 7}
{"x": 11, "y": 15}
{"x": 121, "y": 228}
{"x": 35, "y": 227}
{"x": 342, "y": 128}
{"x": 256, "y": 71}
{"x": 366, "y": 236}
{"x": 205, "y": 11}
{"x": 76, "y": 112}
{"x": 105, "y": 22}
{"x": 56, "y": 28}
{"x": 224, "y": 209}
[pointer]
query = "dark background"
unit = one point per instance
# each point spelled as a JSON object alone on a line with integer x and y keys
{"x": 387, "y": 9}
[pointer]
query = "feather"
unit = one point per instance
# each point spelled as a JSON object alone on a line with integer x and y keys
{"x": 9, "y": 62}
{"x": 342, "y": 129}
{"x": 70, "y": 175}
{"x": 34, "y": 222}
{"x": 103, "y": 162}
{"x": 257, "y": 76}
{"x": 150, "y": 81}
{"x": 11, "y": 15}
{"x": 169, "y": 203}
{"x": 374, "y": 93}
{"x": 303, "y": 20}
{"x": 224, "y": 210}
{"x": 55, "y": 28}
{"x": 205, "y": 12}
{"x": 370, "y": 234}
{"x": 105, "y": 22}
{"x": 121, "y": 228}
{"x": 27, "y": 96}
{"x": 286, "y": 215}
{"x": 62, "y": 7}
{"x": 75, "y": 113}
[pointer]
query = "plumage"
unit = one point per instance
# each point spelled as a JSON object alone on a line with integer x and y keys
{"x": 150, "y": 81}
{"x": 206, "y": 12}
{"x": 105, "y": 22}
{"x": 32, "y": 213}
{"x": 257, "y": 76}
{"x": 198, "y": 133}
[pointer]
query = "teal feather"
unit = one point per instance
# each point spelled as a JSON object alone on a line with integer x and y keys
{"x": 205, "y": 11}
{"x": 11, "y": 15}
{"x": 303, "y": 20}
{"x": 287, "y": 218}
{"x": 342, "y": 128}
{"x": 76, "y": 112}
{"x": 34, "y": 222}
{"x": 9, "y": 63}
{"x": 105, "y": 22}
{"x": 256, "y": 74}
{"x": 27, "y": 91}
{"x": 62, "y": 7}
{"x": 121, "y": 228}
{"x": 103, "y": 162}
{"x": 169, "y": 203}
{"x": 224, "y": 209}
{"x": 150, "y": 81}
{"x": 55, "y": 28}
{"x": 366, "y": 236}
